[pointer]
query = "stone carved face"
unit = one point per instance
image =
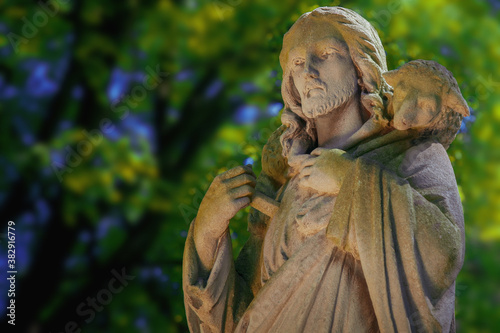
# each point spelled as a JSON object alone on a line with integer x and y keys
{"x": 417, "y": 103}
{"x": 427, "y": 97}
{"x": 321, "y": 67}
{"x": 354, "y": 71}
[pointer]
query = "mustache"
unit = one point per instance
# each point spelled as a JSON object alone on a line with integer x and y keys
{"x": 333, "y": 101}
{"x": 313, "y": 84}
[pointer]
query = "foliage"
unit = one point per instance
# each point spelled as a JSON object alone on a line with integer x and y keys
{"x": 103, "y": 171}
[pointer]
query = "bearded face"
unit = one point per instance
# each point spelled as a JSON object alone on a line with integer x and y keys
{"x": 326, "y": 98}
{"x": 322, "y": 70}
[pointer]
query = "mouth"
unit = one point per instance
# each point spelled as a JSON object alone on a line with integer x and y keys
{"x": 400, "y": 123}
{"x": 314, "y": 92}
{"x": 313, "y": 89}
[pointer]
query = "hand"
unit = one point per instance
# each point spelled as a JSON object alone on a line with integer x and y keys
{"x": 228, "y": 193}
{"x": 325, "y": 170}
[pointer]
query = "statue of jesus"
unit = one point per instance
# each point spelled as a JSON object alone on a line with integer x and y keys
{"x": 366, "y": 230}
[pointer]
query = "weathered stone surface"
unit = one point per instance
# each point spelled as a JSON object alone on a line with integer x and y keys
{"x": 360, "y": 225}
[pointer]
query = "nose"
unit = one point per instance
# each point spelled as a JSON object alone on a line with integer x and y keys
{"x": 407, "y": 111}
{"x": 310, "y": 66}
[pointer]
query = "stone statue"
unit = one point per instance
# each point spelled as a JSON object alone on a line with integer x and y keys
{"x": 359, "y": 225}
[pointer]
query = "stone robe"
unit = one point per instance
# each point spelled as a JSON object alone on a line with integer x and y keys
{"x": 381, "y": 256}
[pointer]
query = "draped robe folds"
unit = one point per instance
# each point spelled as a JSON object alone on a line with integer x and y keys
{"x": 381, "y": 256}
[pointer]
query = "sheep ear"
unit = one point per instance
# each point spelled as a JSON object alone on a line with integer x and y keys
{"x": 391, "y": 77}
{"x": 456, "y": 102}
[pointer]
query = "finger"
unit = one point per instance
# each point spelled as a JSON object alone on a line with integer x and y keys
{"x": 308, "y": 161}
{"x": 242, "y": 191}
{"x": 318, "y": 151}
{"x": 305, "y": 172}
{"x": 231, "y": 173}
{"x": 242, "y": 179}
{"x": 338, "y": 152}
{"x": 250, "y": 169}
{"x": 305, "y": 181}
{"x": 297, "y": 159}
{"x": 242, "y": 202}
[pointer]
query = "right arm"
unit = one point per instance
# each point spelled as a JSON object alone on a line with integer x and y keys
{"x": 214, "y": 293}
{"x": 217, "y": 290}
{"x": 228, "y": 193}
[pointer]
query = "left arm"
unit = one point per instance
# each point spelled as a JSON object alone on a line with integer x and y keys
{"x": 407, "y": 230}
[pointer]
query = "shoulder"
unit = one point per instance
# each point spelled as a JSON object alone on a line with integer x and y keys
{"x": 274, "y": 165}
{"x": 425, "y": 155}
{"x": 428, "y": 169}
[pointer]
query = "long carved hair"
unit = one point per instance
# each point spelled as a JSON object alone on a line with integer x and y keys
{"x": 368, "y": 56}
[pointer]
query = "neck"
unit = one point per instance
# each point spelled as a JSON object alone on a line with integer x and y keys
{"x": 335, "y": 128}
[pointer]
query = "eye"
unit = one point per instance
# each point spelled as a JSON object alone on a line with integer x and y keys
{"x": 400, "y": 94}
{"x": 298, "y": 61}
{"x": 428, "y": 105}
{"x": 328, "y": 52}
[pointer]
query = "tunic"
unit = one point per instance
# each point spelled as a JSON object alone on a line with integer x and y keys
{"x": 383, "y": 255}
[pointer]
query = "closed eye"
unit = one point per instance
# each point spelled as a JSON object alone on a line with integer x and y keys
{"x": 399, "y": 96}
{"x": 428, "y": 105}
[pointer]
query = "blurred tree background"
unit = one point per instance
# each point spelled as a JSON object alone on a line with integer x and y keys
{"x": 116, "y": 116}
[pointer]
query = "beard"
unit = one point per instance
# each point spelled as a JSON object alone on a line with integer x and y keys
{"x": 324, "y": 104}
